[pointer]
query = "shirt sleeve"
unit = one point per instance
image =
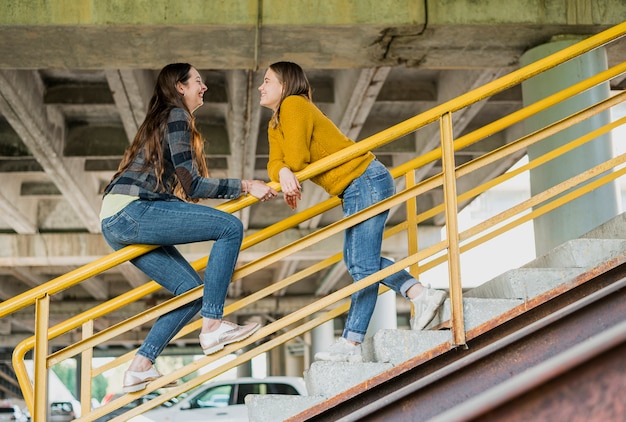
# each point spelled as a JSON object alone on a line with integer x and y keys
{"x": 290, "y": 143}
{"x": 196, "y": 186}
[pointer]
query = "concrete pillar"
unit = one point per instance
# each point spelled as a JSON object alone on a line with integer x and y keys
{"x": 385, "y": 314}
{"x": 322, "y": 336}
{"x": 585, "y": 213}
{"x": 275, "y": 361}
{"x": 294, "y": 361}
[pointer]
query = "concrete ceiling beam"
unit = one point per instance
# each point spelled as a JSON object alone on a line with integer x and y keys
{"x": 131, "y": 90}
{"x": 18, "y": 214}
{"x": 42, "y": 129}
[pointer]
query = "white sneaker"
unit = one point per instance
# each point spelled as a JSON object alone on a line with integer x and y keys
{"x": 425, "y": 307}
{"x": 136, "y": 381}
{"x": 341, "y": 351}
{"x": 226, "y": 333}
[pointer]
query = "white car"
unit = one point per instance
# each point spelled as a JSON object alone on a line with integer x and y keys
{"x": 62, "y": 411}
{"x": 12, "y": 413}
{"x": 222, "y": 401}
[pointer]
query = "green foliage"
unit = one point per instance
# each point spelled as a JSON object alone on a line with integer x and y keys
{"x": 99, "y": 387}
{"x": 185, "y": 361}
{"x": 66, "y": 371}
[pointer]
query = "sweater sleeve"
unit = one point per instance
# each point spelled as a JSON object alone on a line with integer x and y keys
{"x": 196, "y": 186}
{"x": 290, "y": 143}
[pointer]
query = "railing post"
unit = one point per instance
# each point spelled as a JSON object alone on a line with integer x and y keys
{"x": 452, "y": 229}
{"x": 40, "y": 372}
{"x": 85, "y": 370}
{"x": 411, "y": 218}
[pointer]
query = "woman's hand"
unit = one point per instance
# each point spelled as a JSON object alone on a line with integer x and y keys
{"x": 290, "y": 186}
{"x": 259, "y": 189}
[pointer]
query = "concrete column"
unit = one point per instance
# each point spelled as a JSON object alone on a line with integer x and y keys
{"x": 294, "y": 363}
{"x": 274, "y": 361}
{"x": 322, "y": 336}
{"x": 385, "y": 314}
{"x": 577, "y": 217}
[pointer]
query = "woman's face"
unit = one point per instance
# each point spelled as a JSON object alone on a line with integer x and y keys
{"x": 271, "y": 90}
{"x": 193, "y": 90}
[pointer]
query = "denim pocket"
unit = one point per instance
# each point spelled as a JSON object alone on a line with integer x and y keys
{"x": 122, "y": 227}
{"x": 380, "y": 186}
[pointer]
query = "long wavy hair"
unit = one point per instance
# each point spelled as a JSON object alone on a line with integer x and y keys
{"x": 294, "y": 82}
{"x": 154, "y": 129}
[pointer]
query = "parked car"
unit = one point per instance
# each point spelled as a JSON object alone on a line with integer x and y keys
{"x": 12, "y": 413}
{"x": 222, "y": 400}
{"x": 62, "y": 411}
{"x": 131, "y": 405}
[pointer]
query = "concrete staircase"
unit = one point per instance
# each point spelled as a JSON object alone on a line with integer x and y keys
{"x": 492, "y": 303}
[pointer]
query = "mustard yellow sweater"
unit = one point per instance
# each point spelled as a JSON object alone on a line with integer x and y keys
{"x": 306, "y": 135}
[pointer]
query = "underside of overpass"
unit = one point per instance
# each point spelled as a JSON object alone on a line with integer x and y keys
{"x": 75, "y": 79}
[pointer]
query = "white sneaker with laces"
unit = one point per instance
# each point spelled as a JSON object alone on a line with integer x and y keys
{"x": 425, "y": 307}
{"x": 341, "y": 351}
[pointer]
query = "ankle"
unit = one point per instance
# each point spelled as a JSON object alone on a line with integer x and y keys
{"x": 415, "y": 291}
{"x": 210, "y": 324}
{"x": 140, "y": 364}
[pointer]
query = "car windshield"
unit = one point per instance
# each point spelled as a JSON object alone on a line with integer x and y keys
{"x": 218, "y": 396}
{"x": 263, "y": 388}
{"x": 231, "y": 394}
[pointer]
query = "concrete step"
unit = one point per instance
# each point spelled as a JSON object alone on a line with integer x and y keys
{"x": 328, "y": 379}
{"x": 580, "y": 253}
{"x": 523, "y": 283}
{"x": 274, "y": 407}
{"x": 550, "y": 270}
{"x": 476, "y": 310}
{"x": 398, "y": 346}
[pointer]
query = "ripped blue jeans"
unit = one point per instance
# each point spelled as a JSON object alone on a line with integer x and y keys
{"x": 363, "y": 245}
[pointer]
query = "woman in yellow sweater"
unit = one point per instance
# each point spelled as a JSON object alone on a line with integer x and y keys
{"x": 300, "y": 134}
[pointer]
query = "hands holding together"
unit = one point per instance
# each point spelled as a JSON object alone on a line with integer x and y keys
{"x": 259, "y": 189}
{"x": 289, "y": 184}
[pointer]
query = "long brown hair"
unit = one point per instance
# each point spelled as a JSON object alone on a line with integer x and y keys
{"x": 294, "y": 82}
{"x": 154, "y": 128}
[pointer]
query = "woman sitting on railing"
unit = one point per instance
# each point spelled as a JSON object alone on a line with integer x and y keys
{"x": 300, "y": 134}
{"x": 141, "y": 206}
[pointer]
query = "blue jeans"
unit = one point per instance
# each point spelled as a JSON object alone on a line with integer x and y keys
{"x": 169, "y": 223}
{"x": 363, "y": 244}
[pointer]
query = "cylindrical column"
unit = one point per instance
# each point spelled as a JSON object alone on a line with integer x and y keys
{"x": 587, "y": 212}
{"x": 385, "y": 314}
{"x": 294, "y": 361}
{"x": 322, "y": 336}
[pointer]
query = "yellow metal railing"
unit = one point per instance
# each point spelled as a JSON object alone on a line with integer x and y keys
{"x": 333, "y": 305}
